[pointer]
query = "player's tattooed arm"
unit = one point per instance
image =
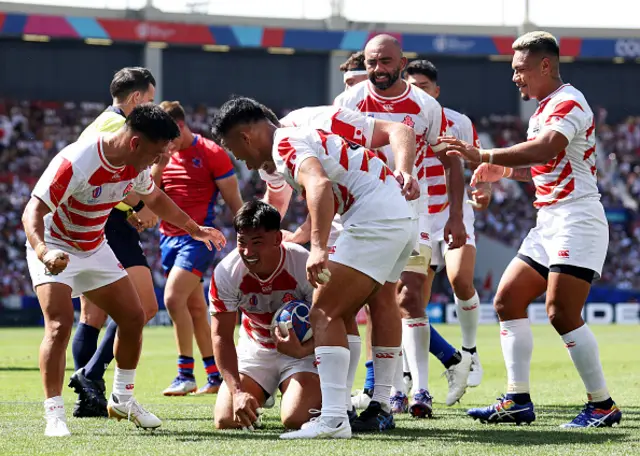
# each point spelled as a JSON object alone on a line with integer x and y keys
{"x": 520, "y": 174}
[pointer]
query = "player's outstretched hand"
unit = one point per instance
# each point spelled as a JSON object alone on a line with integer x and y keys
{"x": 143, "y": 220}
{"x": 487, "y": 173}
{"x": 458, "y": 148}
{"x": 245, "y": 409}
{"x": 455, "y": 233}
{"x": 55, "y": 261}
{"x": 481, "y": 196}
{"x": 210, "y": 236}
{"x": 409, "y": 184}
{"x": 289, "y": 345}
{"x": 317, "y": 267}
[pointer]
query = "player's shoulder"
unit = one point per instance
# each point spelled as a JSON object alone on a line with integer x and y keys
{"x": 231, "y": 267}
{"x": 308, "y": 115}
{"x": 209, "y": 145}
{"x": 296, "y": 250}
{"x": 426, "y": 101}
{"x": 457, "y": 118}
{"x": 301, "y": 133}
{"x": 352, "y": 95}
{"x": 569, "y": 95}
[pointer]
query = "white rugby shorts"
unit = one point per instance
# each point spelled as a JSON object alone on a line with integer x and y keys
{"x": 267, "y": 367}
{"x": 439, "y": 243}
{"x": 83, "y": 273}
{"x": 379, "y": 249}
{"x": 575, "y": 233}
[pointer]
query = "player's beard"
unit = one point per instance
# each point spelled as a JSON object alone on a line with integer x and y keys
{"x": 384, "y": 85}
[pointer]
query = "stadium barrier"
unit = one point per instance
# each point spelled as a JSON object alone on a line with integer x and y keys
{"x": 25, "y": 311}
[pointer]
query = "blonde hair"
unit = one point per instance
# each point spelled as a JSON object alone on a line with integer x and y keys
{"x": 537, "y": 42}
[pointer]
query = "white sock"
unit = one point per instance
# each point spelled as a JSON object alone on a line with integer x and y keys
{"x": 468, "y": 311}
{"x": 398, "y": 385}
{"x": 333, "y": 367}
{"x": 54, "y": 406}
{"x": 416, "y": 337}
{"x": 516, "y": 339}
{"x": 386, "y": 361}
{"x": 583, "y": 350}
{"x": 123, "y": 383}
{"x": 405, "y": 364}
{"x": 355, "y": 348}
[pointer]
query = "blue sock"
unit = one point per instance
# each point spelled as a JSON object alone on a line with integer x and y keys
{"x": 440, "y": 348}
{"x": 84, "y": 344}
{"x": 518, "y": 398}
{"x": 370, "y": 379}
{"x": 185, "y": 366}
{"x": 211, "y": 368}
{"x": 98, "y": 364}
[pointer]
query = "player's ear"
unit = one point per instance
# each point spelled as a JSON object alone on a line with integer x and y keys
{"x": 403, "y": 62}
{"x": 279, "y": 237}
{"x": 437, "y": 91}
{"x": 134, "y": 142}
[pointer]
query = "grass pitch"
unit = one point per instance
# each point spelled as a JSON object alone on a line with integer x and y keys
{"x": 187, "y": 422}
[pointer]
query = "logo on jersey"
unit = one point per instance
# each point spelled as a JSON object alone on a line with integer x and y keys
{"x": 570, "y": 344}
{"x": 388, "y": 107}
{"x": 120, "y": 266}
{"x": 197, "y": 162}
{"x": 253, "y": 300}
{"x": 384, "y": 355}
{"x": 97, "y": 192}
{"x": 563, "y": 253}
{"x": 424, "y": 236}
{"x": 127, "y": 189}
{"x": 266, "y": 289}
{"x": 408, "y": 121}
{"x": 288, "y": 297}
{"x": 115, "y": 177}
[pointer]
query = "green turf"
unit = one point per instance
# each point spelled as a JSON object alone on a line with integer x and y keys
{"x": 187, "y": 427}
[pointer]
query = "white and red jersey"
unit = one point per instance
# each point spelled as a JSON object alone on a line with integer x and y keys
{"x": 416, "y": 109}
{"x": 351, "y": 125}
{"x": 572, "y": 174}
{"x": 80, "y": 187}
{"x": 233, "y": 287}
{"x": 461, "y": 127}
{"x": 364, "y": 188}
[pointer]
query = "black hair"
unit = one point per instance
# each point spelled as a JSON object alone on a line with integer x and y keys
{"x": 537, "y": 43}
{"x": 237, "y": 111}
{"x": 153, "y": 122}
{"x": 354, "y": 62}
{"x": 257, "y": 214}
{"x": 129, "y": 80}
{"x": 423, "y": 67}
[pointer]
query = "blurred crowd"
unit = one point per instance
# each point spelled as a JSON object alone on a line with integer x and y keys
{"x": 31, "y": 133}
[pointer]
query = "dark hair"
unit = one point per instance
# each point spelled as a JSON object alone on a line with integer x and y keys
{"x": 537, "y": 43}
{"x": 423, "y": 67}
{"x": 237, "y": 111}
{"x": 257, "y": 214}
{"x": 354, "y": 62}
{"x": 271, "y": 116}
{"x": 129, "y": 80}
{"x": 174, "y": 109}
{"x": 153, "y": 122}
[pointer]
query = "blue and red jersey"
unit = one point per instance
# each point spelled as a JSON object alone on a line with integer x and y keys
{"x": 190, "y": 181}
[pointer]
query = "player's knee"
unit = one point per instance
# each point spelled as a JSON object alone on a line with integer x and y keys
{"x": 410, "y": 303}
{"x": 224, "y": 422}
{"x": 500, "y": 305}
{"x": 320, "y": 318}
{"x": 173, "y": 303}
{"x": 294, "y": 421}
{"x": 133, "y": 321}
{"x": 150, "y": 312}
{"x": 463, "y": 286}
{"x": 59, "y": 330}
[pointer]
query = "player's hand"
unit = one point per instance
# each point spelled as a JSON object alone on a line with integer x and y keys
{"x": 487, "y": 173}
{"x": 318, "y": 267}
{"x": 245, "y": 409}
{"x": 455, "y": 233}
{"x": 409, "y": 184}
{"x": 289, "y": 345}
{"x": 210, "y": 236}
{"x": 458, "y": 148}
{"x": 481, "y": 196}
{"x": 54, "y": 260}
{"x": 143, "y": 220}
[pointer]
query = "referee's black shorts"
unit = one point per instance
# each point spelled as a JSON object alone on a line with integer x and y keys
{"x": 124, "y": 240}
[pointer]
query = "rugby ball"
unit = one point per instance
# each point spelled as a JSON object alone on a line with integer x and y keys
{"x": 294, "y": 314}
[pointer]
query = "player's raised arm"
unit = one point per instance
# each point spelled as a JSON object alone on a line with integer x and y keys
{"x": 319, "y": 195}
{"x": 167, "y": 210}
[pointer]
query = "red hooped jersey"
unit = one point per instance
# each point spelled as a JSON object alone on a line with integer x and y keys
{"x": 190, "y": 181}
{"x": 414, "y": 108}
{"x": 233, "y": 287}
{"x": 80, "y": 187}
{"x": 572, "y": 174}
